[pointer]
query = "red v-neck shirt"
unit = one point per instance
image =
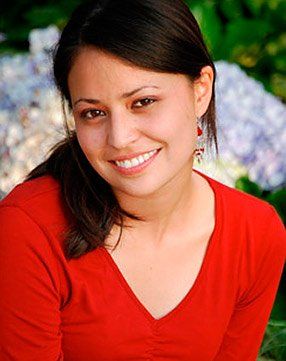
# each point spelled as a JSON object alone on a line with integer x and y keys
{"x": 53, "y": 309}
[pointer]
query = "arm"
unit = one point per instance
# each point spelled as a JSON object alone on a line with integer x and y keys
{"x": 29, "y": 288}
{"x": 247, "y": 325}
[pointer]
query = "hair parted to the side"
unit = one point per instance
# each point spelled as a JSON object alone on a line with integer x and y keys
{"x": 161, "y": 35}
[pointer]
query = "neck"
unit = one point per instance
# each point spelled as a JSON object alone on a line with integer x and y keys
{"x": 164, "y": 210}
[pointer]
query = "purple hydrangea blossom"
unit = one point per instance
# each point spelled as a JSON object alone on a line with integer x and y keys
{"x": 251, "y": 126}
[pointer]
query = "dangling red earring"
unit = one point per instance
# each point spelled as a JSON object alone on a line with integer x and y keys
{"x": 199, "y": 151}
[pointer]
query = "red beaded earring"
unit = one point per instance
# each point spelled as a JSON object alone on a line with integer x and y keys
{"x": 200, "y": 146}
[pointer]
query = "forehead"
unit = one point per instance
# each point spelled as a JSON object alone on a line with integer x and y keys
{"x": 104, "y": 71}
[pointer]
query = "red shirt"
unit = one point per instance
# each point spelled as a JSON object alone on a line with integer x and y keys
{"x": 84, "y": 310}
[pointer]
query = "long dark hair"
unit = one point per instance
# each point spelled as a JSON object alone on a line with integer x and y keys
{"x": 161, "y": 35}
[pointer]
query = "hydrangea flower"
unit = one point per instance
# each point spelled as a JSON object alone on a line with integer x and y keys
{"x": 30, "y": 112}
{"x": 43, "y": 40}
{"x": 251, "y": 127}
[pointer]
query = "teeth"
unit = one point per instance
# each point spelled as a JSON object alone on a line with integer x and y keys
{"x": 146, "y": 156}
{"x": 129, "y": 163}
{"x": 134, "y": 162}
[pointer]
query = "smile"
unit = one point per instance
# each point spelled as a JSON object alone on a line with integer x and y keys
{"x": 134, "y": 162}
{"x": 135, "y": 165}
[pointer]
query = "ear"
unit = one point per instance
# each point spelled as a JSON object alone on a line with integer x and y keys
{"x": 203, "y": 90}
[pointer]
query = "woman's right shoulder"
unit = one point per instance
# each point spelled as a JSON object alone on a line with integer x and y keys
{"x": 40, "y": 199}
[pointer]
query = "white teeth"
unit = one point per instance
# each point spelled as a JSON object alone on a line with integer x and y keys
{"x": 146, "y": 156}
{"x": 129, "y": 163}
{"x": 134, "y": 162}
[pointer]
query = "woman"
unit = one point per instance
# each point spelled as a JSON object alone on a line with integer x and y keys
{"x": 115, "y": 248}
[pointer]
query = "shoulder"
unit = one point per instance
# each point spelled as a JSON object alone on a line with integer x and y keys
{"x": 34, "y": 212}
{"x": 254, "y": 234}
{"x": 240, "y": 206}
{"x": 247, "y": 219}
{"x": 40, "y": 199}
{"x": 32, "y": 233}
{"x": 252, "y": 223}
{"x": 34, "y": 220}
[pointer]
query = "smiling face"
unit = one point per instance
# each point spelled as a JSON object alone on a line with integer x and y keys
{"x": 139, "y": 141}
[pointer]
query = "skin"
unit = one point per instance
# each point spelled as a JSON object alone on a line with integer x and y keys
{"x": 167, "y": 192}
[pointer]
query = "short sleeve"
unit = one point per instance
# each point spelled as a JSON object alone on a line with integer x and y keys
{"x": 29, "y": 288}
{"x": 245, "y": 331}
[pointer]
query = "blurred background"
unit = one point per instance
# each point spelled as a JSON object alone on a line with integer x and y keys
{"x": 250, "y": 33}
{"x": 247, "y": 40}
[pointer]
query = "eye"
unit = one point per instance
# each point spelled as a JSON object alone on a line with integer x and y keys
{"x": 90, "y": 113}
{"x": 145, "y": 101}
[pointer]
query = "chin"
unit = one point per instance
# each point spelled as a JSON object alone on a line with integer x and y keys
{"x": 139, "y": 190}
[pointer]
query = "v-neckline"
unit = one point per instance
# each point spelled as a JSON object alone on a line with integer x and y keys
{"x": 200, "y": 275}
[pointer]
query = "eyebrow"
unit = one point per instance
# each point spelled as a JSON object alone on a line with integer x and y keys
{"x": 124, "y": 95}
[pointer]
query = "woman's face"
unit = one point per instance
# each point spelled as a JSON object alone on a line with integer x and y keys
{"x": 136, "y": 127}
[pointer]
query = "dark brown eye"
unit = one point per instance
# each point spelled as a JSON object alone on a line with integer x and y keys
{"x": 145, "y": 102}
{"x": 90, "y": 114}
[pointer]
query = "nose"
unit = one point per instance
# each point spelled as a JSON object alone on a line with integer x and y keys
{"x": 122, "y": 130}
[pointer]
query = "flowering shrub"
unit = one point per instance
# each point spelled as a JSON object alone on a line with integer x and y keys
{"x": 251, "y": 126}
{"x": 30, "y": 111}
{"x": 251, "y": 135}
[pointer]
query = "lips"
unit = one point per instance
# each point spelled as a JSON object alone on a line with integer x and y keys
{"x": 134, "y": 166}
{"x": 130, "y": 156}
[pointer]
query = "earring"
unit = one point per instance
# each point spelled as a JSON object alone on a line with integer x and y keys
{"x": 199, "y": 151}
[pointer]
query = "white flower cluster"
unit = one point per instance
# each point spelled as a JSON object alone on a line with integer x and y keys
{"x": 30, "y": 111}
{"x": 251, "y": 126}
{"x": 251, "y": 122}
{"x": 43, "y": 40}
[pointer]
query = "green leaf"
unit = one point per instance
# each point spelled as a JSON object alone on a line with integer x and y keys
{"x": 255, "y": 6}
{"x": 278, "y": 85}
{"x": 38, "y": 17}
{"x": 210, "y": 24}
{"x": 279, "y": 62}
{"x": 278, "y": 200}
{"x": 279, "y": 309}
{"x": 243, "y": 33}
{"x": 280, "y": 42}
{"x": 276, "y": 15}
{"x": 231, "y": 9}
{"x": 274, "y": 341}
{"x": 18, "y": 34}
{"x": 246, "y": 185}
{"x": 6, "y": 49}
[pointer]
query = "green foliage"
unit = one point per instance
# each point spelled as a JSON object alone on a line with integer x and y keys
{"x": 254, "y": 6}
{"x": 246, "y": 185}
{"x": 40, "y": 16}
{"x": 20, "y": 17}
{"x": 251, "y": 33}
{"x": 274, "y": 341}
{"x": 210, "y": 24}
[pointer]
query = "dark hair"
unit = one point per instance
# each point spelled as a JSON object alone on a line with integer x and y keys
{"x": 161, "y": 35}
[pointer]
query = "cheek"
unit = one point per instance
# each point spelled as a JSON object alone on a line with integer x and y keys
{"x": 173, "y": 127}
{"x": 91, "y": 140}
